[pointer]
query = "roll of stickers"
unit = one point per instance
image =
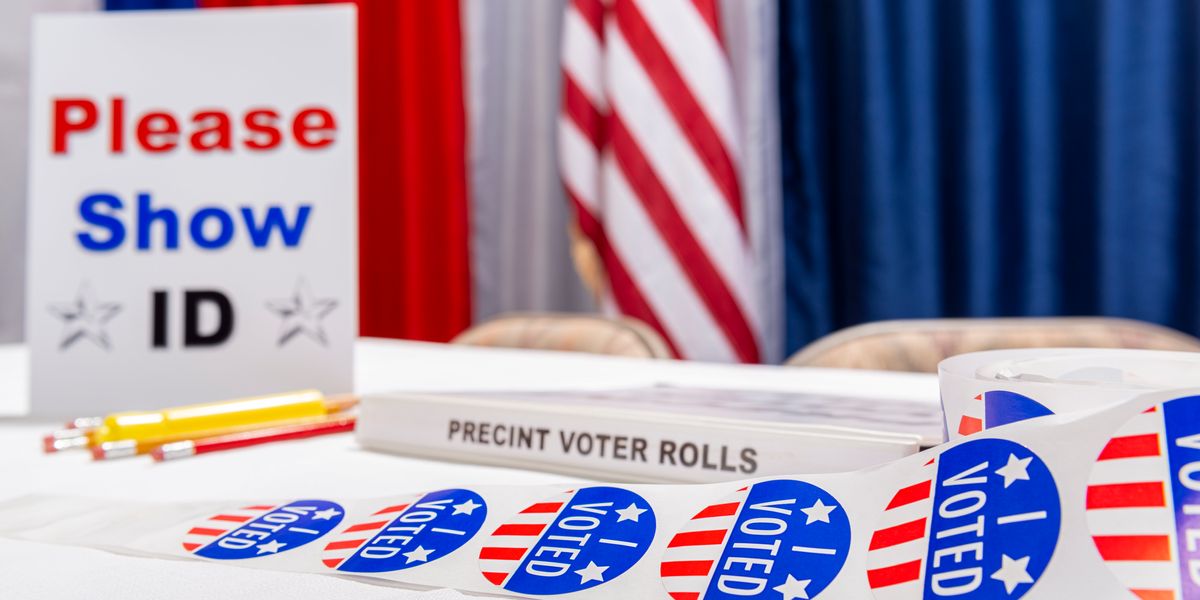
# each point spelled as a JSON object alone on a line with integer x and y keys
{"x": 1099, "y": 500}
{"x": 982, "y": 390}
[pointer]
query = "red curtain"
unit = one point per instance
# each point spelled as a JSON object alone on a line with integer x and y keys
{"x": 414, "y": 277}
{"x": 413, "y": 260}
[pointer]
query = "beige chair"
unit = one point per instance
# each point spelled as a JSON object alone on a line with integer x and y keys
{"x": 919, "y": 345}
{"x": 568, "y": 332}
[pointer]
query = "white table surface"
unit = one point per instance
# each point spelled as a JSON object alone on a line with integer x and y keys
{"x": 329, "y": 466}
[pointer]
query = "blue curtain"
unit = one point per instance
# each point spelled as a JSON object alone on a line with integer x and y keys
{"x": 147, "y": 4}
{"x": 990, "y": 158}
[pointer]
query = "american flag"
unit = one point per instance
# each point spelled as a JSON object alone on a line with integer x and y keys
{"x": 649, "y": 154}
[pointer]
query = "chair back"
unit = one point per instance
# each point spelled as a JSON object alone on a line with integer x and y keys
{"x": 594, "y": 334}
{"x": 919, "y": 345}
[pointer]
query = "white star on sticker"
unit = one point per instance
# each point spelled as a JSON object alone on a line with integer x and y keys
{"x": 420, "y": 554}
{"x": 1016, "y": 469}
{"x": 84, "y": 317}
{"x": 630, "y": 513}
{"x": 270, "y": 547}
{"x": 592, "y": 572}
{"x": 466, "y": 508}
{"x": 793, "y": 588}
{"x": 325, "y": 515}
{"x": 1013, "y": 572}
{"x": 819, "y": 511}
{"x": 301, "y": 313}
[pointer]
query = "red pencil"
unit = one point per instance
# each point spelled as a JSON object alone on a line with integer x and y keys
{"x": 187, "y": 448}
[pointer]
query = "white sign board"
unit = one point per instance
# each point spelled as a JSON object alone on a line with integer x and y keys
{"x": 191, "y": 206}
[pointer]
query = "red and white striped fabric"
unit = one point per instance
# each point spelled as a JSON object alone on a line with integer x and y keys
{"x": 694, "y": 551}
{"x": 896, "y": 553}
{"x": 1129, "y": 509}
{"x": 216, "y": 526}
{"x": 649, "y": 154}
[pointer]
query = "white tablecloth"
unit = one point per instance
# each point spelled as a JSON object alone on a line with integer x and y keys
{"x": 330, "y": 466}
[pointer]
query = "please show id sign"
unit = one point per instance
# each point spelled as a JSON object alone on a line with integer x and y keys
{"x": 192, "y": 210}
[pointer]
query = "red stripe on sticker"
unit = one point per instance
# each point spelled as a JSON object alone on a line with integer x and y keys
{"x": 899, "y": 534}
{"x": 718, "y": 510}
{"x": 190, "y": 547}
{"x": 685, "y": 595}
{"x": 685, "y": 568}
{"x": 206, "y": 531}
{"x": 893, "y": 575}
{"x": 502, "y": 553}
{"x": 1131, "y": 446}
{"x": 1154, "y": 594}
{"x": 332, "y": 563}
{"x": 1133, "y": 547}
{"x": 543, "y": 507}
{"x": 970, "y": 425}
{"x": 496, "y": 578}
{"x": 259, "y": 507}
{"x": 698, "y": 538}
{"x": 1149, "y": 494}
{"x": 233, "y": 518}
{"x": 520, "y": 529}
{"x": 344, "y": 544}
{"x": 366, "y": 526}
{"x": 391, "y": 509}
{"x": 913, "y": 493}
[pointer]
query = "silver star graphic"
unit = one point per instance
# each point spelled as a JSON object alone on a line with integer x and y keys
{"x": 1016, "y": 469}
{"x": 1012, "y": 572}
{"x": 419, "y": 554}
{"x": 465, "y": 508}
{"x": 819, "y": 511}
{"x": 793, "y": 588}
{"x": 592, "y": 572}
{"x": 84, "y": 318}
{"x": 302, "y": 313}
{"x": 630, "y": 513}
{"x": 271, "y": 547}
{"x": 325, "y": 515}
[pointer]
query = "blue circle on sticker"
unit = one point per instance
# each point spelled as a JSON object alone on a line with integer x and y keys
{"x": 575, "y": 541}
{"x": 408, "y": 534}
{"x": 774, "y": 539}
{"x": 994, "y": 522}
{"x": 1002, "y": 407}
{"x": 262, "y": 530}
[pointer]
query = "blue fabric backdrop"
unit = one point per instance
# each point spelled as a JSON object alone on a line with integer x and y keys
{"x": 147, "y": 4}
{"x": 975, "y": 158}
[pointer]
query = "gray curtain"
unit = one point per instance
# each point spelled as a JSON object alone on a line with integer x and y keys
{"x": 520, "y": 252}
{"x": 15, "y": 21}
